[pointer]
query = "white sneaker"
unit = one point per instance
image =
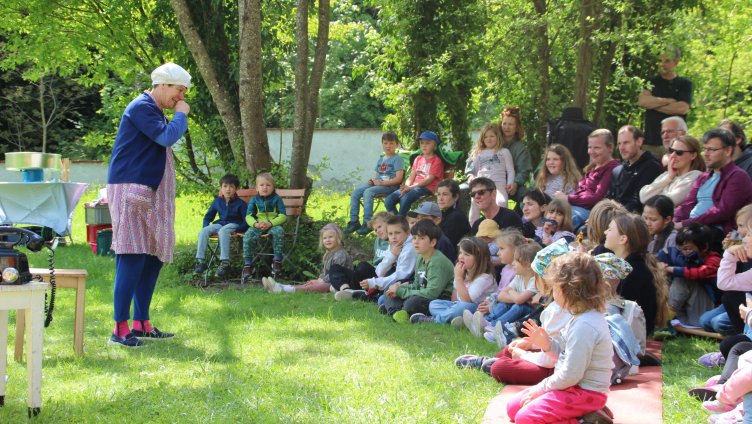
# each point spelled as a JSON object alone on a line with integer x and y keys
{"x": 345, "y": 294}
{"x": 477, "y": 325}
{"x": 457, "y": 322}
{"x": 332, "y": 289}
{"x": 467, "y": 318}
{"x": 501, "y": 339}
{"x": 265, "y": 283}
{"x": 272, "y": 286}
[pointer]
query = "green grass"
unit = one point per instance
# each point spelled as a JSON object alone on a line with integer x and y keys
{"x": 247, "y": 356}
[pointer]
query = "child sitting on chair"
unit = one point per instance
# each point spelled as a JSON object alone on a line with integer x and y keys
{"x": 426, "y": 173}
{"x": 266, "y": 214}
{"x": 231, "y": 210}
{"x": 389, "y": 172}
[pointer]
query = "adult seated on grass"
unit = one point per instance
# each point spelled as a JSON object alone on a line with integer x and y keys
{"x": 390, "y": 169}
{"x": 594, "y": 184}
{"x": 141, "y": 193}
{"x": 719, "y": 192}
{"x": 685, "y": 165}
{"x": 483, "y": 193}
{"x": 454, "y": 223}
{"x": 638, "y": 168}
{"x": 432, "y": 277}
{"x": 742, "y": 156}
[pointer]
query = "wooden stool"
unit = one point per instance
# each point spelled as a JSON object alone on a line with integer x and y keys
{"x": 65, "y": 279}
{"x": 28, "y": 300}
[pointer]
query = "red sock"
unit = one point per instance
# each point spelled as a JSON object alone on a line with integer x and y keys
{"x": 142, "y": 326}
{"x": 122, "y": 329}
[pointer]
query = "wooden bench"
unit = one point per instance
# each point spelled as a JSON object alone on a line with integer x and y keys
{"x": 65, "y": 279}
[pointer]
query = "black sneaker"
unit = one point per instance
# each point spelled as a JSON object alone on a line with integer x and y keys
{"x": 420, "y": 318}
{"x": 276, "y": 268}
{"x": 129, "y": 340}
{"x": 200, "y": 267}
{"x": 470, "y": 361}
{"x": 363, "y": 230}
{"x": 154, "y": 334}
{"x": 486, "y": 365}
{"x": 363, "y": 296}
{"x": 246, "y": 274}
{"x": 382, "y": 309}
{"x": 351, "y": 227}
{"x": 224, "y": 268}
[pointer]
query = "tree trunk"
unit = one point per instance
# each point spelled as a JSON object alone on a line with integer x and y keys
{"x": 255, "y": 140}
{"x": 606, "y": 69}
{"x": 299, "y": 164}
{"x": 219, "y": 94}
{"x": 42, "y": 114}
{"x": 307, "y": 91}
{"x": 544, "y": 60}
{"x": 317, "y": 74}
{"x": 588, "y": 24}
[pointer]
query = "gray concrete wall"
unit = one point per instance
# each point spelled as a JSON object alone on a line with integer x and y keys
{"x": 339, "y": 157}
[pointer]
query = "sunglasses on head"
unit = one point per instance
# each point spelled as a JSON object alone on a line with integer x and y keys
{"x": 679, "y": 152}
{"x": 477, "y": 193}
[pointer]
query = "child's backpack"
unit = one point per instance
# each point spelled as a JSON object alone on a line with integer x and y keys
{"x": 626, "y": 348}
{"x": 626, "y": 322}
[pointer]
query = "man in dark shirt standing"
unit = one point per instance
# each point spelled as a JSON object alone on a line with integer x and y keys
{"x": 669, "y": 95}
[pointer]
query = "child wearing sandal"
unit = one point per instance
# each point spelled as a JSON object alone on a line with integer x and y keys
{"x": 331, "y": 242}
{"x": 582, "y": 375}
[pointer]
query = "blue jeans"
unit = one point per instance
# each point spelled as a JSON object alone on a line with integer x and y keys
{"x": 404, "y": 201}
{"x": 579, "y": 216}
{"x": 508, "y": 312}
{"x": 225, "y": 237}
{"x": 367, "y": 192}
{"x": 716, "y": 320}
{"x": 748, "y": 408}
{"x": 444, "y": 311}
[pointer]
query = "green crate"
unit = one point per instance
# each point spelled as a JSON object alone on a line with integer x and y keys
{"x": 104, "y": 241}
{"x": 98, "y": 215}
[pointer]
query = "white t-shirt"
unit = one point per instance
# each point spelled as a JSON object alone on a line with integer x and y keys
{"x": 519, "y": 285}
{"x": 482, "y": 286}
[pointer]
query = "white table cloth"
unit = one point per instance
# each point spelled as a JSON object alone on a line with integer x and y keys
{"x": 47, "y": 204}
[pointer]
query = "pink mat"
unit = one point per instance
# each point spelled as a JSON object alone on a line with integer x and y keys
{"x": 636, "y": 401}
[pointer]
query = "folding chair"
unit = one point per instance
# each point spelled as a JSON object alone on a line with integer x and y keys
{"x": 293, "y": 200}
{"x": 213, "y": 249}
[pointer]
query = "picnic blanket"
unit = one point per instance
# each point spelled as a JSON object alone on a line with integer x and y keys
{"x": 636, "y": 401}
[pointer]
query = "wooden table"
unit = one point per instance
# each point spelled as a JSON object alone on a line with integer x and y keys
{"x": 28, "y": 298}
{"x": 65, "y": 279}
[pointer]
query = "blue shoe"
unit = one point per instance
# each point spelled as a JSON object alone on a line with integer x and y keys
{"x": 470, "y": 361}
{"x": 154, "y": 334}
{"x": 130, "y": 340}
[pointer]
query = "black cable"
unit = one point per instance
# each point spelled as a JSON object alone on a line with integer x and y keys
{"x": 53, "y": 289}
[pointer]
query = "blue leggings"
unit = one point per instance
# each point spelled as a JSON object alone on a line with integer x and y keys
{"x": 135, "y": 278}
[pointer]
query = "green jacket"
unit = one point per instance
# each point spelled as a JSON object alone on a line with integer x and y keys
{"x": 432, "y": 279}
{"x": 266, "y": 209}
{"x": 523, "y": 163}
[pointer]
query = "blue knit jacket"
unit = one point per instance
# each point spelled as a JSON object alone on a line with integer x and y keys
{"x": 232, "y": 212}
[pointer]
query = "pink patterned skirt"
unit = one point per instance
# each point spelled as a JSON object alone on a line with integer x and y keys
{"x": 143, "y": 219}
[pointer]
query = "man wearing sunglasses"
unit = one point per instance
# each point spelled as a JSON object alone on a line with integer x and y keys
{"x": 638, "y": 168}
{"x": 719, "y": 192}
{"x": 483, "y": 194}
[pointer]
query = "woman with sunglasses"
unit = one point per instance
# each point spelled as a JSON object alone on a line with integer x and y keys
{"x": 685, "y": 165}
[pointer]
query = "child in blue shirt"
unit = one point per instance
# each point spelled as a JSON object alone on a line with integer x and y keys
{"x": 231, "y": 210}
{"x": 389, "y": 172}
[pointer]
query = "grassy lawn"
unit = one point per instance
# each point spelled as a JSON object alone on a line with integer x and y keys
{"x": 243, "y": 355}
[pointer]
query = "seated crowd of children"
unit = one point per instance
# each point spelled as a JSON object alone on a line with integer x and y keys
{"x": 569, "y": 307}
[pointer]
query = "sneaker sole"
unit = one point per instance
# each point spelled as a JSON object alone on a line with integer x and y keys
{"x": 703, "y": 394}
{"x": 467, "y": 319}
{"x": 343, "y": 295}
{"x": 477, "y": 325}
{"x": 501, "y": 339}
{"x": 458, "y": 322}
{"x": 113, "y": 343}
